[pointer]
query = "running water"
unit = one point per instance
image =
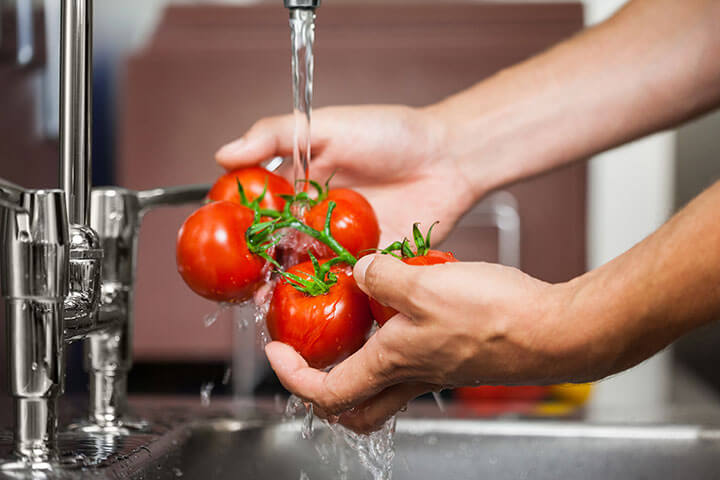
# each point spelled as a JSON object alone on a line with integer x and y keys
{"x": 337, "y": 444}
{"x": 302, "y": 37}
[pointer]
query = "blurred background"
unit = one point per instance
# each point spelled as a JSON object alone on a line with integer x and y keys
{"x": 175, "y": 80}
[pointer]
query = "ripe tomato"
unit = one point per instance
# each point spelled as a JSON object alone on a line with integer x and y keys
{"x": 212, "y": 256}
{"x": 326, "y": 328}
{"x": 354, "y": 224}
{"x": 382, "y": 313}
{"x": 253, "y": 181}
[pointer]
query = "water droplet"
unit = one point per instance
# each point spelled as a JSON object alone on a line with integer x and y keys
{"x": 34, "y": 366}
{"x": 205, "y": 393}
{"x": 440, "y": 402}
{"x": 227, "y": 375}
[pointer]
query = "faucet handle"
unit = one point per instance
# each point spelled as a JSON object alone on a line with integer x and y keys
{"x": 116, "y": 214}
{"x": 169, "y": 196}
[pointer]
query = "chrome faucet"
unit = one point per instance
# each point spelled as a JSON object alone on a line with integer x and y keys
{"x": 292, "y": 4}
{"x": 67, "y": 265}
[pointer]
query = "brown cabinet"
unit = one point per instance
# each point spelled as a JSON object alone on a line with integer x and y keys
{"x": 209, "y": 72}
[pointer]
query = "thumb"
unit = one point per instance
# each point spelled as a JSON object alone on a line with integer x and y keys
{"x": 388, "y": 280}
{"x": 269, "y": 137}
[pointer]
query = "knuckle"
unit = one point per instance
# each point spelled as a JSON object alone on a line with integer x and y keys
{"x": 332, "y": 402}
{"x": 390, "y": 362}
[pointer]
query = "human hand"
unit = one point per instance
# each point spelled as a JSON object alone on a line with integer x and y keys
{"x": 459, "y": 324}
{"x": 396, "y": 156}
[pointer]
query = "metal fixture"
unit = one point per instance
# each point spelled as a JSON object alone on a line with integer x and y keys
{"x": 291, "y": 4}
{"x": 116, "y": 214}
{"x": 75, "y": 106}
{"x": 67, "y": 268}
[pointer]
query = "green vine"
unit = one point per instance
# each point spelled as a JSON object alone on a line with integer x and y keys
{"x": 422, "y": 244}
{"x": 264, "y": 234}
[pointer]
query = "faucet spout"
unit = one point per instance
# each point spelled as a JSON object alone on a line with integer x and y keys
{"x": 292, "y": 4}
{"x": 76, "y": 107}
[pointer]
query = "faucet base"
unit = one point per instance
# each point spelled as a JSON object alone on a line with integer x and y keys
{"x": 25, "y": 466}
{"x": 125, "y": 426}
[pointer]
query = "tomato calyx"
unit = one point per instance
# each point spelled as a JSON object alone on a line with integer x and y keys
{"x": 261, "y": 235}
{"x": 255, "y": 204}
{"x": 422, "y": 244}
{"x": 317, "y": 283}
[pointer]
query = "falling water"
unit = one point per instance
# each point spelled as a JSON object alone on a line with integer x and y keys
{"x": 302, "y": 36}
{"x": 375, "y": 451}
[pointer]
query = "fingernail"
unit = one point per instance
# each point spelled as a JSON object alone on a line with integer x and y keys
{"x": 232, "y": 149}
{"x": 359, "y": 271}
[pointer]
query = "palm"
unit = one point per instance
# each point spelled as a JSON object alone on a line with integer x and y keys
{"x": 387, "y": 157}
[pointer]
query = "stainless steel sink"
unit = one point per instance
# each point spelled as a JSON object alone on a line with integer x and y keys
{"x": 463, "y": 449}
{"x": 252, "y": 441}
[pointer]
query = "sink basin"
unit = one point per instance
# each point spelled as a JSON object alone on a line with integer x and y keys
{"x": 462, "y": 449}
{"x": 251, "y": 441}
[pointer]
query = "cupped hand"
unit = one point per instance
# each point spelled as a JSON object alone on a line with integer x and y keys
{"x": 459, "y": 324}
{"x": 396, "y": 156}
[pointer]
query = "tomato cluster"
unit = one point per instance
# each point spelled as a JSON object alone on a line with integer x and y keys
{"x": 225, "y": 251}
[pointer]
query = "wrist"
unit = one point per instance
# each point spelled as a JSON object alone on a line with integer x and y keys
{"x": 484, "y": 135}
{"x": 589, "y": 327}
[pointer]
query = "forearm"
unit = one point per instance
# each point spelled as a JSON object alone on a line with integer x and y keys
{"x": 651, "y": 66}
{"x": 665, "y": 286}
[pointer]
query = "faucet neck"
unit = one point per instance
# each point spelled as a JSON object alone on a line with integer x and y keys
{"x": 76, "y": 107}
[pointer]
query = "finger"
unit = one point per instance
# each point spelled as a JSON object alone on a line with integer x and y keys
{"x": 362, "y": 375}
{"x": 268, "y": 138}
{"x": 389, "y": 281}
{"x": 372, "y": 414}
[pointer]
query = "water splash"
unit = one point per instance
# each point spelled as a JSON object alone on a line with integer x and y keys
{"x": 302, "y": 38}
{"x": 295, "y": 405}
{"x": 212, "y": 317}
{"x": 375, "y": 451}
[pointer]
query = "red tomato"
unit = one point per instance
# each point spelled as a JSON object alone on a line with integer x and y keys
{"x": 326, "y": 328}
{"x": 253, "y": 181}
{"x": 382, "y": 313}
{"x": 212, "y": 256}
{"x": 354, "y": 224}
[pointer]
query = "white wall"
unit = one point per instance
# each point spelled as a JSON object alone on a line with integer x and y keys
{"x": 630, "y": 195}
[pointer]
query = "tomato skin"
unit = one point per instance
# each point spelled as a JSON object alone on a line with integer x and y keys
{"x": 253, "y": 181}
{"x": 212, "y": 256}
{"x": 382, "y": 313}
{"x": 354, "y": 223}
{"x": 323, "y": 329}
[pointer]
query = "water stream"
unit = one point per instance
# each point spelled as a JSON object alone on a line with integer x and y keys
{"x": 337, "y": 444}
{"x": 302, "y": 37}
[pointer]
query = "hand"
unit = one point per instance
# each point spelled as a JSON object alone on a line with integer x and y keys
{"x": 459, "y": 324}
{"x": 396, "y": 156}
